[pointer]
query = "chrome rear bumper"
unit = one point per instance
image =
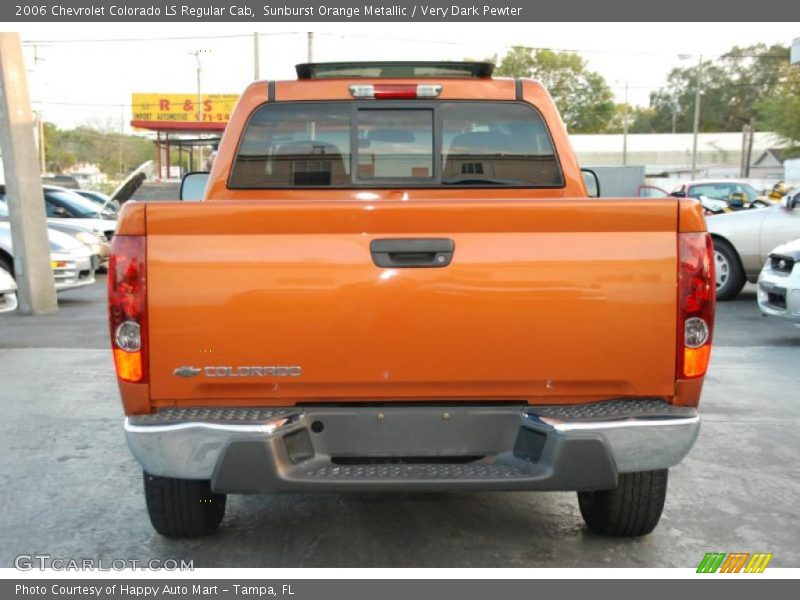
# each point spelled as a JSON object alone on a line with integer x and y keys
{"x": 413, "y": 447}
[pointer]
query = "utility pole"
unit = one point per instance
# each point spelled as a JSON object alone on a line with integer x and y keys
{"x": 696, "y": 115}
{"x": 625, "y": 128}
{"x": 310, "y": 46}
{"x": 675, "y": 108}
{"x": 199, "y": 106}
{"x": 40, "y": 140}
{"x": 256, "y": 66}
{"x": 199, "y": 111}
{"x": 747, "y": 150}
{"x": 37, "y": 294}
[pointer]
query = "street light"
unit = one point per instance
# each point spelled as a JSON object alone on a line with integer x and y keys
{"x": 697, "y": 94}
{"x": 196, "y": 54}
{"x": 199, "y": 112}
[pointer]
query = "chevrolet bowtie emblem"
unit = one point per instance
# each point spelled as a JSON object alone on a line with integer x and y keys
{"x": 186, "y": 371}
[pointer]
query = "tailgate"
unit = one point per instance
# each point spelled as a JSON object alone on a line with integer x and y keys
{"x": 542, "y": 301}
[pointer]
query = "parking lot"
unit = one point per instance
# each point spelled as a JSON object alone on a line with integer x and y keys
{"x": 72, "y": 490}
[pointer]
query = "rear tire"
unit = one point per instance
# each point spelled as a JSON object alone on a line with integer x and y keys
{"x": 729, "y": 272}
{"x": 181, "y": 508}
{"x": 632, "y": 509}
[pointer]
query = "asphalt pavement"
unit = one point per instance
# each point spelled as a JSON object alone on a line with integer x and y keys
{"x": 71, "y": 489}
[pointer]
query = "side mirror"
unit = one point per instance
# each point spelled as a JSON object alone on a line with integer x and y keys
{"x": 789, "y": 202}
{"x": 193, "y": 186}
{"x": 592, "y": 183}
{"x": 60, "y": 211}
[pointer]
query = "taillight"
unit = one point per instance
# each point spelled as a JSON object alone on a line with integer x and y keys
{"x": 127, "y": 307}
{"x": 696, "y": 303}
{"x": 392, "y": 91}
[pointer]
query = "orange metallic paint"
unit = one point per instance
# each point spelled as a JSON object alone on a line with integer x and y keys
{"x": 135, "y": 397}
{"x": 132, "y": 219}
{"x": 691, "y": 218}
{"x": 687, "y": 392}
{"x": 550, "y": 298}
{"x": 280, "y": 283}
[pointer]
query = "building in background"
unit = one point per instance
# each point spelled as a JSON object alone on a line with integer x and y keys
{"x": 86, "y": 174}
{"x": 669, "y": 155}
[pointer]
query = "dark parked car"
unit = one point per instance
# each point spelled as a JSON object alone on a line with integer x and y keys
{"x": 102, "y": 200}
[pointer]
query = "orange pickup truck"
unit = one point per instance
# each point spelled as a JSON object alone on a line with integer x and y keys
{"x": 396, "y": 280}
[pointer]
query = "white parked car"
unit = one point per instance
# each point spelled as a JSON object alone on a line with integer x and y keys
{"x": 779, "y": 283}
{"x": 70, "y": 259}
{"x": 8, "y": 291}
{"x": 743, "y": 239}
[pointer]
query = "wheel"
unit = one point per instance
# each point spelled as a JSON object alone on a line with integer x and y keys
{"x": 730, "y": 275}
{"x": 632, "y": 509}
{"x": 182, "y": 507}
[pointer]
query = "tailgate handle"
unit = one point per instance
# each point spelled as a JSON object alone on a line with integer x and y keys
{"x": 412, "y": 252}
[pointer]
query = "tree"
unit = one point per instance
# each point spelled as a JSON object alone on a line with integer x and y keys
{"x": 58, "y": 156}
{"x": 640, "y": 119}
{"x": 780, "y": 110}
{"x": 66, "y": 148}
{"x": 582, "y": 96}
{"x": 732, "y": 87}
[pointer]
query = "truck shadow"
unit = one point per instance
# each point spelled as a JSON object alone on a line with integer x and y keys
{"x": 443, "y": 530}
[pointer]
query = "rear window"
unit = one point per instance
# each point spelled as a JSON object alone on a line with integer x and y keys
{"x": 395, "y": 144}
{"x": 722, "y": 190}
{"x": 75, "y": 204}
{"x": 353, "y": 144}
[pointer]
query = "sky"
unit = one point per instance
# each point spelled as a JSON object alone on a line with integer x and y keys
{"x": 85, "y": 74}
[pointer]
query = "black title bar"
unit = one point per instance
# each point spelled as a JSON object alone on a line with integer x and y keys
{"x": 255, "y": 11}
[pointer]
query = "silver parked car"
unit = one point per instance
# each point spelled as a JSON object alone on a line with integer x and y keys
{"x": 94, "y": 238}
{"x": 8, "y": 292}
{"x": 70, "y": 259}
{"x": 779, "y": 283}
{"x": 742, "y": 241}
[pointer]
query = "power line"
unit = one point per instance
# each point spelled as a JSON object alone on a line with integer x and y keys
{"x": 390, "y": 38}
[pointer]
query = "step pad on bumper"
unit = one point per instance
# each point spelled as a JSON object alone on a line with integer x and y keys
{"x": 168, "y": 416}
{"x": 419, "y": 471}
{"x": 612, "y": 409}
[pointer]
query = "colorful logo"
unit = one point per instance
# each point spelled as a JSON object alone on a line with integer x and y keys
{"x": 735, "y": 562}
